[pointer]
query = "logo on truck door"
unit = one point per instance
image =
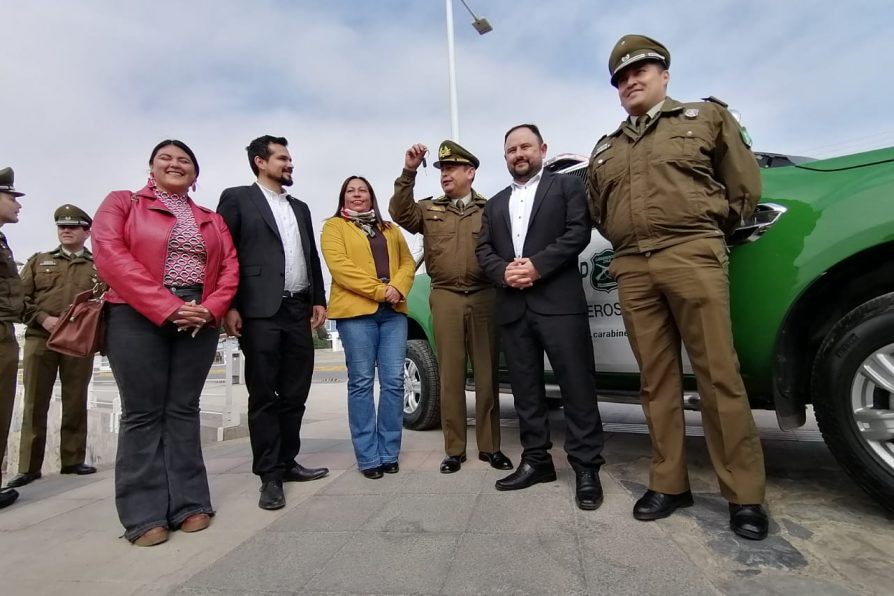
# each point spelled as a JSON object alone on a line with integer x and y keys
{"x": 599, "y": 276}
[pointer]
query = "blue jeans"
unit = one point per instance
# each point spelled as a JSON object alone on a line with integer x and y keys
{"x": 377, "y": 340}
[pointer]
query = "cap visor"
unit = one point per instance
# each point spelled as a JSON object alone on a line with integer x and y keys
{"x": 650, "y": 56}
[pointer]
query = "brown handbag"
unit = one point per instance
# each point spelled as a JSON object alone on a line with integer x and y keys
{"x": 79, "y": 331}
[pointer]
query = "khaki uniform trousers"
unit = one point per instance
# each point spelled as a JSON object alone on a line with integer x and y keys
{"x": 40, "y": 366}
{"x": 9, "y": 371}
{"x": 682, "y": 292}
{"x": 465, "y": 328}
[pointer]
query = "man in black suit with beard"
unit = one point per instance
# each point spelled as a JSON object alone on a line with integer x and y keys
{"x": 530, "y": 238}
{"x": 279, "y": 301}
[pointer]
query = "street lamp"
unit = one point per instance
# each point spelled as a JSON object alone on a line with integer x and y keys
{"x": 482, "y": 26}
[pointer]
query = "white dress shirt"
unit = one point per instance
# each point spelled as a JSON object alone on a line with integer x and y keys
{"x": 287, "y": 224}
{"x": 521, "y": 201}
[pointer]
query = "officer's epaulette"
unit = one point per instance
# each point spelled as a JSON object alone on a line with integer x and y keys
{"x": 602, "y": 145}
{"x": 439, "y": 200}
{"x": 713, "y": 99}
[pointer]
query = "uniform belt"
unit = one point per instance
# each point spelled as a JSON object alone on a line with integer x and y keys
{"x": 185, "y": 290}
{"x": 464, "y": 291}
{"x": 298, "y": 294}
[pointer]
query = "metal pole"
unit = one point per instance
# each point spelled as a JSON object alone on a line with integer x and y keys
{"x": 451, "y": 73}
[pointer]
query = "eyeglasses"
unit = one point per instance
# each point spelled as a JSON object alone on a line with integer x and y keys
{"x": 69, "y": 227}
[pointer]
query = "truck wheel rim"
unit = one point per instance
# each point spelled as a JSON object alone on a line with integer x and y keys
{"x": 872, "y": 400}
{"x": 412, "y": 387}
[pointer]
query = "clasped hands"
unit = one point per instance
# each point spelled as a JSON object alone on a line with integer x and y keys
{"x": 521, "y": 273}
{"x": 392, "y": 295}
{"x": 191, "y": 316}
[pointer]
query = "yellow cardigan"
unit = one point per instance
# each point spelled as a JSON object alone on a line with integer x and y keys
{"x": 356, "y": 289}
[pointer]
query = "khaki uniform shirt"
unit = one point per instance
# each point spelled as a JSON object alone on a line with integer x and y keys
{"x": 11, "y": 301}
{"x": 449, "y": 236}
{"x": 689, "y": 174}
{"x": 51, "y": 280}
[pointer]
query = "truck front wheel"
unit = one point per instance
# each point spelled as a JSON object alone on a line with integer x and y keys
{"x": 853, "y": 395}
{"x": 422, "y": 389}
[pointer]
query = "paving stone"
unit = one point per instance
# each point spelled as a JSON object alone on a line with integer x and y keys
{"x": 540, "y": 509}
{"x": 423, "y": 513}
{"x": 388, "y": 563}
{"x": 331, "y": 513}
{"x": 521, "y": 564}
{"x": 273, "y": 561}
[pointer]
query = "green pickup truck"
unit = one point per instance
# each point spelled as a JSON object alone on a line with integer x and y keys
{"x": 812, "y": 290}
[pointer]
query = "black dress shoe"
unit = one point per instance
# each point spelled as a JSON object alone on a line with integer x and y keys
{"x": 23, "y": 479}
{"x": 654, "y": 505}
{"x": 588, "y": 493}
{"x": 373, "y": 473}
{"x": 496, "y": 460}
{"x": 748, "y": 521}
{"x": 299, "y": 473}
{"x": 391, "y": 468}
{"x": 272, "y": 496}
{"x": 79, "y": 469}
{"x": 452, "y": 463}
{"x": 8, "y": 496}
{"x": 526, "y": 475}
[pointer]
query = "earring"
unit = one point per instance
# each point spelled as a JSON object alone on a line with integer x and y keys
{"x": 194, "y": 186}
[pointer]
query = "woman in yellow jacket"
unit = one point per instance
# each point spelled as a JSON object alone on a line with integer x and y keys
{"x": 372, "y": 272}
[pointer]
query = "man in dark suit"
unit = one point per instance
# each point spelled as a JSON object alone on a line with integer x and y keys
{"x": 279, "y": 301}
{"x": 531, "y": 235}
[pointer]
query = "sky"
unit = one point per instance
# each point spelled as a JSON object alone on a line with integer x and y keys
{"x": 89, "y": 87}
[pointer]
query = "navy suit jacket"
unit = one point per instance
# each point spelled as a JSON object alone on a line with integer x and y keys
{"x": 558, "y": 230}
{"x": 262, "y": 265}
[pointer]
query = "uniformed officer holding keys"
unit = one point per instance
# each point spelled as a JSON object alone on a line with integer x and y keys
{"x": 664, "y": 189}
{"x": 51, "y": 280}
{"x": 462, "y": 298}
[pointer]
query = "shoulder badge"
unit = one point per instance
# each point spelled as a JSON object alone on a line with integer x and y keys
{"x": 600, "y": 148}
{"x": 690, "y": 112}
{"x": 713, "y": 99}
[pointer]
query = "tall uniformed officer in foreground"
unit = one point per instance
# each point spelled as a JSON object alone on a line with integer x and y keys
{"x": 665, "y": 188}
{"x": 51, "y": 280}
{"x": 462, "y": 298}
{"x": 11, "y": 303}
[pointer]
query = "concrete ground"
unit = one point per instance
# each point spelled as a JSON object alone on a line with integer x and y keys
{"x": 421, "y": 532}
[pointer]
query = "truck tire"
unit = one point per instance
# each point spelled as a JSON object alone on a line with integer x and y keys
{"x": 852, "y": 386}
{"x": 422, "y": 388}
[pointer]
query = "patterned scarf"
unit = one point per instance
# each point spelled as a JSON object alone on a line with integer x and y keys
{"x": 365, "y": 221}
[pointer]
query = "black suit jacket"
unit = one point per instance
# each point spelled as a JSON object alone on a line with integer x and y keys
{"x": 558, "y": 230}
{"x": 262, "y": 265}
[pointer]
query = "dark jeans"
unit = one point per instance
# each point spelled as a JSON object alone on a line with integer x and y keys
{"x": 160, "y": 477}
{"x": 279, "y": 365}
{"x": 566, "y": 341}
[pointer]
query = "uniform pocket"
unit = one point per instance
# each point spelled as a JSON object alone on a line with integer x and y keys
{"x": 686, "y": 140}
{"x": 46, "y": 278}
{"x": 608, "y": 167}
{"x": 436, "y": 225}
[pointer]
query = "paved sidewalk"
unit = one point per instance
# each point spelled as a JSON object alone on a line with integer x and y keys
{"x": 421, "y": 532}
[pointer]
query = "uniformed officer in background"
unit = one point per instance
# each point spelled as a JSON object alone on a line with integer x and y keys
{"x": 51, "y": 280}
{"x": 462, "y": 298}
{"x": 11, "y": 303}
{"x": 664, "y": 189}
